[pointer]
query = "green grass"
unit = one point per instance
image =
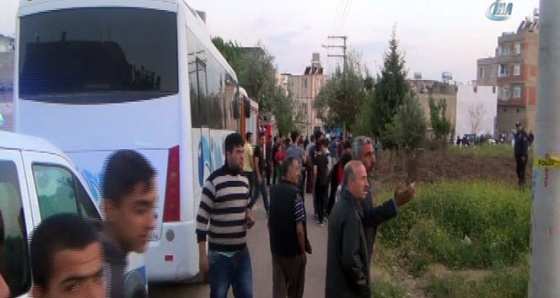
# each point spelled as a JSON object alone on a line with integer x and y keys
{"x": 465, "y": 224}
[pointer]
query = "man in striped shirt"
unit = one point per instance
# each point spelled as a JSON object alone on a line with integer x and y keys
{"x": 224, "y": 216}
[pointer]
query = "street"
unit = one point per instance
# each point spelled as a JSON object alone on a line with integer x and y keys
{"x": 258, "y": 242}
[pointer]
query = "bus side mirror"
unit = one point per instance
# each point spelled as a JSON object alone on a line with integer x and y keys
{"x": 247, "y": 108}
{"x": 235, "y": 109}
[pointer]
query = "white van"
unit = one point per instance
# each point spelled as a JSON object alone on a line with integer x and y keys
{"x": 37, "y": 180}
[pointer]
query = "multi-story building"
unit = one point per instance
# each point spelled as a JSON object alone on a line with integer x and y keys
{"x": 515, "y": 64}
{"x": 304, "y": 89}
{"x": 487, "y": 69}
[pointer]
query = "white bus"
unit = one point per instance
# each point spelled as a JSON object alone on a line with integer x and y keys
{"x": 94, "y": 76}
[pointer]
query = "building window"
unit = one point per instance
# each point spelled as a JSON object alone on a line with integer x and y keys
{"x": 482, "y": 72}
{"x": 504, "y": 49}
{"x": 517, "y": 48}
{"x": 505, "y": 93}
{"x": 517, "y": 92}
{"x": 304, "y": 83}
{"x": 503, "y": 70}
{"x": 517, "y": 70}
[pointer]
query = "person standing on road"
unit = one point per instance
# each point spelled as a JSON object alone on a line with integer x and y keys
{"x": 296, "y": 152}
{"x": 129, "y": 197}
{"x": 260, "y": 172}
{"x": 521, "y": 151}
{"x": 288, "y": 234}
{"x": 279, "y": 158}
{"x": 336, "y": 180}
{"x": 66, "y": 259}
{"x": 272, "y": 157}
{"x": 224, "y": 215}
{"x": 374, "y": 216}
{"x": 320, "y": 171}
{"x": 347, "y": 253}
{"x": 248, "y": 166}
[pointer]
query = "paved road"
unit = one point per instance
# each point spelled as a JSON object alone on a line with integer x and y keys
{"x": 262, "y": 263}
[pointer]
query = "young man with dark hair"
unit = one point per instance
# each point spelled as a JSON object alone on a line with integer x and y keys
{"x": 288, "y": 234}
{"x": 66, "y": 259}
{"x": 260, "y": 172}
{"x": 224, "y": 215}
{"x": 129, "y": 196}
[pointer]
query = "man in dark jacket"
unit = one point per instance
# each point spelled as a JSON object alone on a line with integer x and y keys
{"x": 347, "y": 252}
{"x": 288, "y": 234}
{"x": 363, "y": 150}
{"x": 521, "y": 149}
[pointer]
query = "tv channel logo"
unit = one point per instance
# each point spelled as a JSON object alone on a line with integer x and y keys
{"x": 499, "y": 10}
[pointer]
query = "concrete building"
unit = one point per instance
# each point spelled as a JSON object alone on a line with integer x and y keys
{"x": 304, "y": 89}
{"x": 6, "y": 82}
{"x": 487, "y": 69}
{"x": 515, "y": 68}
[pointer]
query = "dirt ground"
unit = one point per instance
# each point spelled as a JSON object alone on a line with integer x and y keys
{"x": 434, "y": 166}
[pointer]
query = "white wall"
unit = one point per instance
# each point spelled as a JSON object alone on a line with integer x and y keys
{"x": 483, "y": 103}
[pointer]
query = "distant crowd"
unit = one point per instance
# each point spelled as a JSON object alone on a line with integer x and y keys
{"x": 286, "y": 169}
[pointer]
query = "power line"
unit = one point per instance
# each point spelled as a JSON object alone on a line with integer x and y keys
{"x": 335, "y": 20}
{"x": 346, "y": 13}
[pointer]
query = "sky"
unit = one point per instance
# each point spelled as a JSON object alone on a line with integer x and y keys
{"x": 434, "y": 35}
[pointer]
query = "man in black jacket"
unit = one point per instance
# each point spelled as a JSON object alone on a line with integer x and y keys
{"x": 288, "y": 233}
{"x": 347, "y": 251}
{"x": 521, "y": 150}
{"x": 363, "y": 150}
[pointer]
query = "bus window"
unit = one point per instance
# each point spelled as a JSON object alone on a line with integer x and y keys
{"x": 58, "y": 191}
{"x": 202, "y": 92}
{"x": 13, "y": 244}
{"x": 98, "y": 55}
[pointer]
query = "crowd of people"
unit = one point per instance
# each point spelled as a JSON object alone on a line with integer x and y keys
{"x": 89, "y": 258}
{"x": 293, "y": 168}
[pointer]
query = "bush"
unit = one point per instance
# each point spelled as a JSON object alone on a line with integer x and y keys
{"x": 462, "y": 225}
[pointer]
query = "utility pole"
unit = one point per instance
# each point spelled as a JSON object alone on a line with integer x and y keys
{"x": 343, "y": 46}
{"x": 344, "y": 65}
{"x": 545, "y": 234}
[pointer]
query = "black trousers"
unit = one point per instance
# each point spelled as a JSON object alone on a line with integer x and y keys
{"x": 521, "y": 162}
{"x": 320, "y": 194}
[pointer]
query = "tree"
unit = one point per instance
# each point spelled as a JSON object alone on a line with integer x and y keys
{"x": 258, "y": 77}
{"x": 283, "y": 106}
{"x": 256, "y": 73}
{"x": 389, "y": 92}
{"x": 476, "y": 113}
{"x": 409, "y": 132}
{"x": 231, "y": 51}
{"x": 343, "y": 96}
{"x": 441, "y": 125}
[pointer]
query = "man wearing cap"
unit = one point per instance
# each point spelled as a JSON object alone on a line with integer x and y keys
{"x": 521, "y": 150}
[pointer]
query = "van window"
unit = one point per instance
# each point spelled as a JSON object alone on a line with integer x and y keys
{"x": 59, "y": 191}
{"x": 14, "y": 266}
